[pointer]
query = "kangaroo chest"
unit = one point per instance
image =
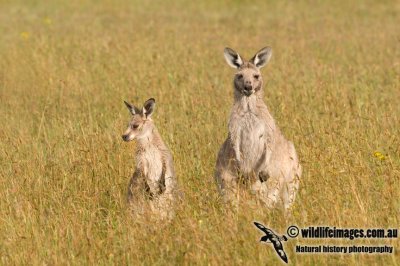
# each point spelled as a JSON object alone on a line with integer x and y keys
{"x": 149, "y": 161}
{"x": 249, "y": 136}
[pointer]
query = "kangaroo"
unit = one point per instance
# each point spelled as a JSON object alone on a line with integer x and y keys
{"x": 154, "y": 175}
{"x": 255, "y": 148}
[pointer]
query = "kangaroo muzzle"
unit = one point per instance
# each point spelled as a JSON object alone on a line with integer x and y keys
{"x": 248, "y": 90}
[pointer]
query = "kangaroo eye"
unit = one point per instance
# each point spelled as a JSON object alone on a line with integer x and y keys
{"x": 256, "y": 76}
{"x": 135, "y": 126}
{"x": 239, "y": 76}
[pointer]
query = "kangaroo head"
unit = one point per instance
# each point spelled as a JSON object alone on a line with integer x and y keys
{"x": 141, "y": 123}
{"x": 248, "y": 78}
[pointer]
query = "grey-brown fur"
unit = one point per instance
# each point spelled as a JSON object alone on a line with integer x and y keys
{"x": 154, "y": 176}
{"x": 255, "y": 147}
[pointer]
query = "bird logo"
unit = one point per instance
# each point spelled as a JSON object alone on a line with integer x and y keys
{"x": 274, "y": 239}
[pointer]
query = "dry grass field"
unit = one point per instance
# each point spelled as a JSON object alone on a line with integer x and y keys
{"x": 333, "y": 86}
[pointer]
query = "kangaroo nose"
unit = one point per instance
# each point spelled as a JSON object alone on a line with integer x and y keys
{"x": 248, "y": 87}
{"x": 125, "y": 137}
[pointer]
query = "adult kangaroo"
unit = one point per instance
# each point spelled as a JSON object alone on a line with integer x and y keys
{"x": 255, "y": 148}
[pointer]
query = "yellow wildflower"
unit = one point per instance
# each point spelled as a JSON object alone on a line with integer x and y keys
{"x": 379, "y": 155}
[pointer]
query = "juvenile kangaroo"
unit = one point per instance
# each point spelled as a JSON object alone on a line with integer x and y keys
{"x": 255, "y": 148}
{"x": 154, "y": 176}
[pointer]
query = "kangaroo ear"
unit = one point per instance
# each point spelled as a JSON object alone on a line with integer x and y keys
{"x": 262, "y": 57}
{"x": 131, "y": 108}
{"x": 232, "y": 58}
{"x": 148, "y": 107}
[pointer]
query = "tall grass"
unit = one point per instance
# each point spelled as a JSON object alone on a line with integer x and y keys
{"x": 332, "y": 85}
